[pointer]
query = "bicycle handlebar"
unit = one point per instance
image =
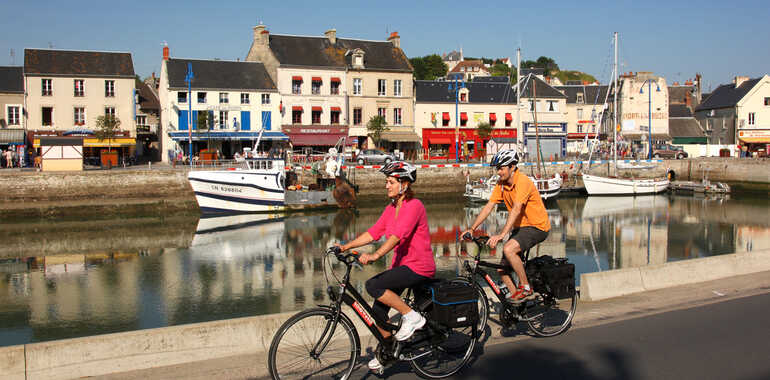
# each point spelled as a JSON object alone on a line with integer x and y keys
{"x": 481, "y": 241}
{"x": 349, "y": 259}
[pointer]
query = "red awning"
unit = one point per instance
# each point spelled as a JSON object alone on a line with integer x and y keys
{"x": 315, "y": 139}
{"x": 508, "y": 117}
{"x": 335, "y": 79}
{"x": 297, "y": 77}
{"x": 440, "y": 140}
{"x": 296, "y": 108}
{"x": 446, "y": 116}
{"x": 316, "y": 79}
{"x": 316, "y": 108}
{"x": 464, "y": 116}
{"x": 336, "y": 109}
{"x": 492, "y": 117}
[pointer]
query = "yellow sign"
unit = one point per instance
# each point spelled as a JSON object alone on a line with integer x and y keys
{"x": 93, "y": 142}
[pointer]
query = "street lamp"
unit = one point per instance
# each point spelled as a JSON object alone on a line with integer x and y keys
{"x": 456, "y": 88}
{"x": 649, "y": 110}
{"x": 189, "y": 78}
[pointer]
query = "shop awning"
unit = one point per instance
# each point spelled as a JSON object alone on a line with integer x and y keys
{"x": 316, "y": 79}
{"x": 297, "y": 77}
{"x": 440, "y": 140}
{"x": 755, "y": 140}
{"x": 335, "y": 79}
{"x": 336, "y": 109}
{"x": 315, "y": 139}
{"x": 316, "y": 108}
{"x": 445, "y": 116}
{"x": 296, "y": 108}
{"x": 12, "y": 136}
{"x": 106, "y": 143}
{"x": 400, "y": 137}
{"x": 508, "y": 117}
{"x": 643, "y": 136}
{"x": 216, "y": 135}
{"x": 492, "y": 117}
{"x": 464, "y": 116}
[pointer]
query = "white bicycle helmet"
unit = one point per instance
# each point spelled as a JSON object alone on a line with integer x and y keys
{"x": 508, "y": 157}
{"x": 400, "y": 170}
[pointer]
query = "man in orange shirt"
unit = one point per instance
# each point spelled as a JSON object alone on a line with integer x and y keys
{"x": 527, "y": 219}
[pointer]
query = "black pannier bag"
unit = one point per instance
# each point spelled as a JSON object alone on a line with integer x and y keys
{"x": 454, "y": 304}
{"x": 554, "y": 276}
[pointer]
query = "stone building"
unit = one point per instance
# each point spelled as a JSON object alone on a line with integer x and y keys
{"x": 12, "y": 120}
{"x": 331, "y": 87}
{"x": 639, "y": 93}
{"x": 584, "y": 107}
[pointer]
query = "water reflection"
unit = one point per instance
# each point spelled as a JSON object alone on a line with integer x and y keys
{"x": 68, "y": 279}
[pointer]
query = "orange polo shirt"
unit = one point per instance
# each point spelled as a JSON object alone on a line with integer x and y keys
{"x": 523, "y": 191}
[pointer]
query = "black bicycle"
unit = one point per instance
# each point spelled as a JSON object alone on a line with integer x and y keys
{"x": 548, "y": 312}
{"x": 323, "y": 342}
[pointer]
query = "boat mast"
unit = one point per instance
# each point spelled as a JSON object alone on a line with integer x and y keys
{"x": 615, "y": 112}
{"x": 537, "y": 133}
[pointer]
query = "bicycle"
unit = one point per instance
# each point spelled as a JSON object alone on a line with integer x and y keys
{"x": 543, "y": 312}
{"x": 322, "y": 342}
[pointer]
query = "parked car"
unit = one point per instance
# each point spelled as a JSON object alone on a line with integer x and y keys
{"x": 668, "y": 151}
{"x": 374, "y": 156}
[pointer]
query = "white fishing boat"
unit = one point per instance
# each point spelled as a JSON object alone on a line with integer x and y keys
{"x": 480, "y": 191}
{"x": 601, "y": 185}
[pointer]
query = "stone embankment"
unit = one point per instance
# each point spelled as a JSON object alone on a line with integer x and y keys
{"x": 165, "y": 190}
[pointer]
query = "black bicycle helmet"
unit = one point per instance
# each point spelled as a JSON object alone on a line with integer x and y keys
{"x": 400, "y": 170}
{"x": 508, "y": 157}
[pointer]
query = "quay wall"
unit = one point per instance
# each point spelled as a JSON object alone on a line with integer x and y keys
{"x": 151, "y": 348}
{"x": 165, "y": 188}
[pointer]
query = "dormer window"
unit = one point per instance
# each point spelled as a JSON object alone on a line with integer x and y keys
{"x": 358, "y": 59}
{"x": 464, "y": 95}
{"x": 580, "y": 98}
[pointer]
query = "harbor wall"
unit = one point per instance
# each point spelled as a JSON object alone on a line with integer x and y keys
{"x": 151, "y": 348}
{"x": 167, "y": 189}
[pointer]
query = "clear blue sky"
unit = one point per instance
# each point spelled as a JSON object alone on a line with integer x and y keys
{"x": 671, "y": 38}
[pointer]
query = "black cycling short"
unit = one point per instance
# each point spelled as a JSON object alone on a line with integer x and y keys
{"x": 528, "y": 237}
{"x": 396, "y": 280}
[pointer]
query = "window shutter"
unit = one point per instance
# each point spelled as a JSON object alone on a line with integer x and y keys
{"x": 245, "y": 120}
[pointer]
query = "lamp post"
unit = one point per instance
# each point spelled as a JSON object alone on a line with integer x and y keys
{"x": 649, "y": 110}
{"x": 188, "y": 79}
{"x": 456, "y": 88}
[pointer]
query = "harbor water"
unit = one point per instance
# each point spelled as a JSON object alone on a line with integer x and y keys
{"x": 72, "y": 278}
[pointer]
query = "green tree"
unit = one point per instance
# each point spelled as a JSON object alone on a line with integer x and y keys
{"x": 106, "y": 129}
{"x": 428, "y": 67}
{"x": 484, "y": 130}
{"x": 204, "y": 125}
{"x": 376, "y": 125}
{"x": 500, "y": 70}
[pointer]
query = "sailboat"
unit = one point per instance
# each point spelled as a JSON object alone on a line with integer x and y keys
{"x": 601, "y": 185}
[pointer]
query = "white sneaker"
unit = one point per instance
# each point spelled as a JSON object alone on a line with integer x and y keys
{"x": 375, "y": 365}
{"x": 408, "y": 327}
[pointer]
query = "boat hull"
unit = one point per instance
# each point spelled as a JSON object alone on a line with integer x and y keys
{"x": 596, "y": 185}
{"x": 238, "y": 191}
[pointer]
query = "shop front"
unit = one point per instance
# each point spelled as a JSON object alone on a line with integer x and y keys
{"x": 122, "y": 145}
{"x": 439, "y": 144}
{"x": 756, "y": 141}
{"x": 553, "y": 141}
{"x": 13, "y": 140}
{"x": 227, "y": 143}
{"x": 578, "y": 143}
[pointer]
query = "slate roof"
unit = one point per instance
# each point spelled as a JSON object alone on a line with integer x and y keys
{"x": 533, "y": 70}
{"x": 79, "y": 63}
{"x": 12, "y": 79}
{"x": 679, "y": 110}
{"x": 727, "y": 95}
{"x": 544, "y": 90}
{"x": 223, "y": 75}
{"x": 148, "y": 99}
{"x": 678, "y": 94}
{"x": 684, "y": 127}
{"x": 319, "y": 52}
{"x": 491, "y": 79}
{"x": 452, "y": 56}
{"x": 438, "y": 92}
{"x": 591, "y": 94}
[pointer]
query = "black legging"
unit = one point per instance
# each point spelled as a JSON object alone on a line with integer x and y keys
{"x": 396, "y": 280}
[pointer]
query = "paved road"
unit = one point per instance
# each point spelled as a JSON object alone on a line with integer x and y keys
{"x": 725, "y": 340}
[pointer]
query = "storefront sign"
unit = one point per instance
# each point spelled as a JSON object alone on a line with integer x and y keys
{"x": 754, "y": 133}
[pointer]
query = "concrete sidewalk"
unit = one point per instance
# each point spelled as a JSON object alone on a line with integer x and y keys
{"x": 588, "y": 314}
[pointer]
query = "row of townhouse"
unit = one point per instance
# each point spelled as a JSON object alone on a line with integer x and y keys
{"x": 62, "y": 93}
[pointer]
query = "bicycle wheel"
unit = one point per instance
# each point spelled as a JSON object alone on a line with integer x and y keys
{"x": 292, "y": 353}
{"x": 550, "y": 316}
{"x": 450, "y": 352}
{"x": 483, "y": 305}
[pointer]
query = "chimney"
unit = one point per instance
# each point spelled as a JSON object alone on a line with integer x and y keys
{"x": 688, "y": 99}
{"x": 395, "y": 39}
{"x": 331, "y": 34}
{"x": 739, "y": 80}
{"x": 261, "y": 35}
{"x": 165, "y": 52}
{"x": 676, "y": 84}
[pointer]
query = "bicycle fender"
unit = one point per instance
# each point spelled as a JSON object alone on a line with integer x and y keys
{"x": 347, "y": 320}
